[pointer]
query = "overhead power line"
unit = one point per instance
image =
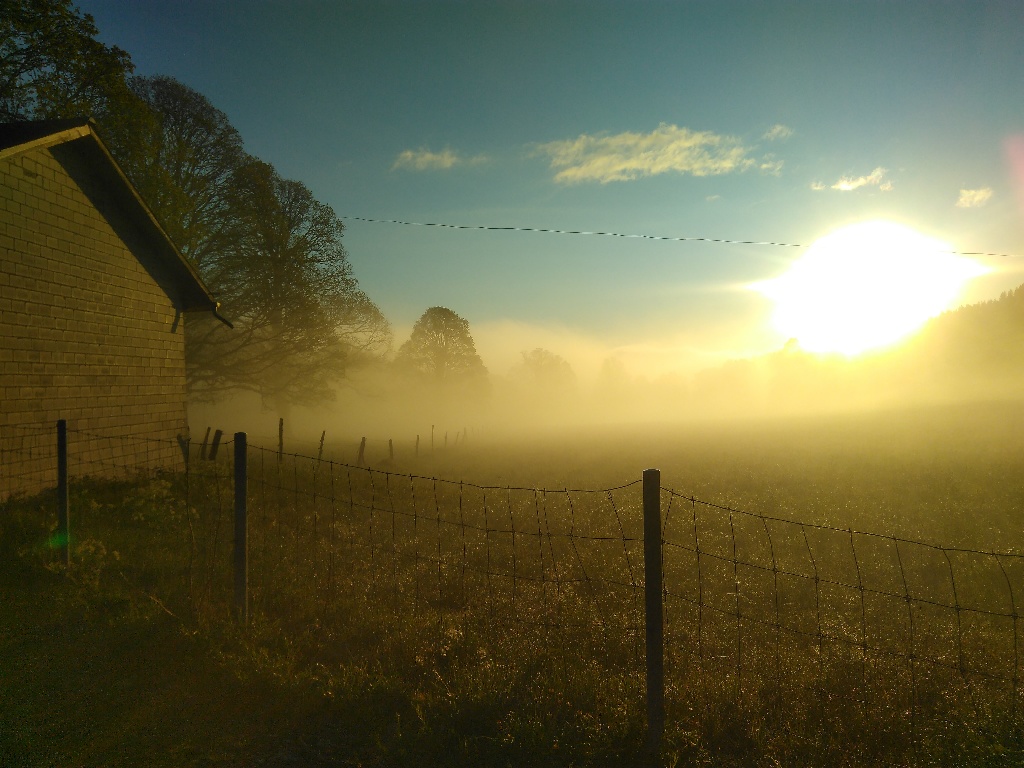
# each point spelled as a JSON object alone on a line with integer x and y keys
{"x": 664, "y": 238}
{"x": 718, "y": 240}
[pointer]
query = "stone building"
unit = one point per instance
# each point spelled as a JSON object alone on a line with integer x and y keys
{"x": 92, "y": 296}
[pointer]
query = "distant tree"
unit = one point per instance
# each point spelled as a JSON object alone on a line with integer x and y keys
{"x": 442, "y": 348}
{"x": 545, "y": 371}
{"x": 52, "y": 65}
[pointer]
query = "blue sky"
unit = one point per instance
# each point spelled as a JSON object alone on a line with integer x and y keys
{"x": 735, "y": 120}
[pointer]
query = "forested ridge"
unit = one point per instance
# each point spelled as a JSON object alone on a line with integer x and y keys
{"x": 987, "y": 337}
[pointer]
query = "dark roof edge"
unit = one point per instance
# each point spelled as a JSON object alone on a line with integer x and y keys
{"x": 20, "y": 138}
{"x": 16, "y": 138}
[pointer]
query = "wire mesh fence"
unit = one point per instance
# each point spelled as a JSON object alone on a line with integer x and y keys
{"x": 541, "y": 582}
{"x": 787, "y": 626}
{"x": 841, "y": 625}
{"x": 28, "y": 458}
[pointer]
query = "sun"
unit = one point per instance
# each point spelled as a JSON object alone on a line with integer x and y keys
{"x": 866, "y": 286}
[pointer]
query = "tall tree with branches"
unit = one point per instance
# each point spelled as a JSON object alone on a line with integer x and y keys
{"x": 284, "y": 277}
{"x": 269, "y": 251}
{"x": 52, "y": 65}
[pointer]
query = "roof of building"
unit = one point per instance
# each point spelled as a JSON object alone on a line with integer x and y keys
{"x": 82, "y": 151}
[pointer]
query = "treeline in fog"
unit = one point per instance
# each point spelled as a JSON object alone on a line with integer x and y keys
{"x": 305, "y": 333}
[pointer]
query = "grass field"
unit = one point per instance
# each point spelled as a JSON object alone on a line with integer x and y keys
{"x": 400, "y": 619}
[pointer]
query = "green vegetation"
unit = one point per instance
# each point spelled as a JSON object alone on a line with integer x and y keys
{"x": 398, "y": 620}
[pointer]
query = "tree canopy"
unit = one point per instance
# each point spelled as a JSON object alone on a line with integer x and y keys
{"x": 300, "y": 317}
{"x": 271, "y": 253}
{"x": 183, "y": 155}
{"x": 442, "y": 348}
{"x": 268, "y": 250}
{"x": 543, "y": 370}
{"x": 52, "y": 65}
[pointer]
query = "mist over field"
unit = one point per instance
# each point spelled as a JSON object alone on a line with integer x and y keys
{"x": 964, "y": 358}
{"x": 919, "y": 439}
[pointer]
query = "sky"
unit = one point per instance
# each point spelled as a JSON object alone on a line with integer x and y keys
{"x": 759, "y": 121}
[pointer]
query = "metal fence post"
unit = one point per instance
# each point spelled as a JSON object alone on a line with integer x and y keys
{"x": 655, "y": 629}
{"x": 241, "y": 529}
{"x": 63, "y": 505}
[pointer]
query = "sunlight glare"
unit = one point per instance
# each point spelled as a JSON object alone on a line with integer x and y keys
{"x": 866, "y": 286}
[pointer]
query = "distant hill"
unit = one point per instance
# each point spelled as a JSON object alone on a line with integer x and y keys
{"x": 977, "y": 340}
{"x": 975, "y": 352}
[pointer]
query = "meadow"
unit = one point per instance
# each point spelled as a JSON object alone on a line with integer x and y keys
{"x": 838, "y": 590}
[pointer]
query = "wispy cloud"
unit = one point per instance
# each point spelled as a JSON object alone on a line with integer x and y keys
{"x": 425, "y": 160}
{"x": 628, "y": 156}
{"x": 770, "y": 164}
{"x": 974, "y": 198}
{"x": 849, "y": 183}
{"x": 777, "y": 132}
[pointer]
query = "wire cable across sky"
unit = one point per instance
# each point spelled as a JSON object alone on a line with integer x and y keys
{"x": 663, "y": 238}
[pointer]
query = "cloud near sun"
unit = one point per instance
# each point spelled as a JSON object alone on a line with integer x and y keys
{"x": 668, "y": 148}
{"x": 849, "y": 183}
{"x": 973, "y": 198}
{"x": 425, "y": 160}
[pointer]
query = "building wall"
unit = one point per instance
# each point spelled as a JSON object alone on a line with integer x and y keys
{"x": 86, "y": 335}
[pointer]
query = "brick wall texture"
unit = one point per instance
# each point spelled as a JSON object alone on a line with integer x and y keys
{"x": 86, "y": 335}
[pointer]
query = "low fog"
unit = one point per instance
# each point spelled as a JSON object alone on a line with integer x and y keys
{"x": 971, "y": 355}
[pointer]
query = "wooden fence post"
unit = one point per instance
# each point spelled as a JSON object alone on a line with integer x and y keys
{"x": 417, "y": 446}
{"x": 241, "y": 529}
{"x": 206, "y": 442}
{"x": 215, "y": 445}
{"x": 183, "y": 444}
{"x": 362, "y": 452}
{"x": 391, "y": 449}
{"x": 654, "y": 610}
{"x": 63, "y": 505}
{"x": 280, "y": 439}
{"x": 320, "y": 453}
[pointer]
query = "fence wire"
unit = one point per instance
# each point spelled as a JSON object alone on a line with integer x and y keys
{"x": 555, "y": 570}
{"x": 840, "y": 623}
{"x": 28, "y": 459}
{"x": 799, "y": 627}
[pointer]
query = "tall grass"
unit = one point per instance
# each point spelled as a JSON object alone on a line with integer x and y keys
{"x": 508, "y": 623}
